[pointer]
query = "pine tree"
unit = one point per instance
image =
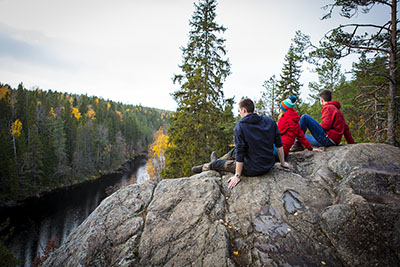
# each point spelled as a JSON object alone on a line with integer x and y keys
{"x": 22, "y": 104}
{"x": 268, "y": 104}
{"x": 58, "y": 144}
{"x": 376, "y": 40}
{"x": 198, "y": 126}
{"x": 329, "y": 76}
{"x": 8, "y": 177}
{"x": 289, "y": 83}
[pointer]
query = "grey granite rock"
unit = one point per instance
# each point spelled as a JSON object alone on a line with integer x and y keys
{"x": 340, "y": 207}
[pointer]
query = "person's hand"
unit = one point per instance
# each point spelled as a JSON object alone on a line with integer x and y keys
{"x": 233, "y": 181}
{"x": 285, "y": 165}
{"x": 317, "y": 150}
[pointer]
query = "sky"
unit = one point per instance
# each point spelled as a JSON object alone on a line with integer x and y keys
{"x": 129, "y": 50}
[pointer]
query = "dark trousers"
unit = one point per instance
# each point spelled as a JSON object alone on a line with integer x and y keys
{"x": 227, "y": 163}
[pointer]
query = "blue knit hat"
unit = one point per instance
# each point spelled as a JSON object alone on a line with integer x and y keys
{"x": 288, "y": 103}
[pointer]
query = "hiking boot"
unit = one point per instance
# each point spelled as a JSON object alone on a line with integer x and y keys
{"x": 197, "y": 169}
{"x": 296, "y": 147}
{"x": 213, "y": 156}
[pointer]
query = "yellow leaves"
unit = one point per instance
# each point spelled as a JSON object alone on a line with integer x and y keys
{"x": 157, "y": 150}
{"x": 75, "y": 112}
{"x": 107, "y": 148}
{"x": 151, "y": 170}
{"x": 16, "y": 128}
{"x": 108, "y": 106}
{"x": 51, "y": 113}
{"x": 119, "y": 114}
{"x": 91, "y": 113}
{"x": 160, "y": 143}
{"x": 3, "y": 91}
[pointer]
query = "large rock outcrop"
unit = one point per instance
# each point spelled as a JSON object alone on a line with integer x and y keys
{"x": 340, "y": 207}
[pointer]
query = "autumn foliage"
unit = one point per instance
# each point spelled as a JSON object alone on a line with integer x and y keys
{"x": 156, "y": 154}
{"x": 16, "y": 128}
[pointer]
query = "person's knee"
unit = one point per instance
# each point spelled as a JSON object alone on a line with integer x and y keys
{"x": 305, "y": 117}
{"x": 218, "y": 165}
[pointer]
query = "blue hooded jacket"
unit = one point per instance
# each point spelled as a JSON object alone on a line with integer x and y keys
{"x": 255, "y": 136}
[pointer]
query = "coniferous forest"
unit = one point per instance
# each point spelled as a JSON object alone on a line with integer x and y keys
{"x": 50, "y": 139}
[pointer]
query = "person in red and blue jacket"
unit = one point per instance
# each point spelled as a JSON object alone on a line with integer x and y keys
{"x": 288, "y": 125}
{"x": 333, "y": 126}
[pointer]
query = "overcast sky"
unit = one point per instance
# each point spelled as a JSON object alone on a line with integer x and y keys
{"x": 128, "y": 50}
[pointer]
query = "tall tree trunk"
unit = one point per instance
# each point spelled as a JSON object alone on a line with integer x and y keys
{"x": 393, "y": 84}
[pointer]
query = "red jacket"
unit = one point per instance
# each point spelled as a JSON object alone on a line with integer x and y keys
{"x": 334, "y": 124}
{"x": 289, "y": 127}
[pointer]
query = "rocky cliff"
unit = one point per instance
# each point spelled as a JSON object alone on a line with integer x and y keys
{"x": 340, "y": 207}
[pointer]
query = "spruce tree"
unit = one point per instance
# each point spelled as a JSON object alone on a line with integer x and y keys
{"x": 199, "y": 125}
{"x": 268, "y": 104}
{"x": 289, "y": 83}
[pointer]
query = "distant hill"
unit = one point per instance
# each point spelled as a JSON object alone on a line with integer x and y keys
{"x": 49, "y": 139}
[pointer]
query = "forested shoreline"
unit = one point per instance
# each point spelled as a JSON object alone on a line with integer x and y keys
{"x": 50, "y": 139}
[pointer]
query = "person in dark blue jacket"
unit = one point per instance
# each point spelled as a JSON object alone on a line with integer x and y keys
{"x": 255, "y": 138}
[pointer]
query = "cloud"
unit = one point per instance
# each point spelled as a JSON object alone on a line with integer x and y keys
{"x": 30, "y": 47}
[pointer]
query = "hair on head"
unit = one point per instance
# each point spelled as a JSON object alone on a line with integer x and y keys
{"x": 326, "y": 95}
{"x": 248, "y": 104}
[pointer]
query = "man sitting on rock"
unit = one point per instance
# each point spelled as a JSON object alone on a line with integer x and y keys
{"x": 330, "y": 131}
{"x": 255, "y": 137}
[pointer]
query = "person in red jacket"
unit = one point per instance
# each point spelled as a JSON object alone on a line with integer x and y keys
{"x": 333, "y": 126}
{"x": 288, "y": 125}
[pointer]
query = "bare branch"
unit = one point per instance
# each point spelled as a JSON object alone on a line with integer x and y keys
{"x": 383, "y": 2}
{"x": 370, "y": 86}
{"x": 370, "y": 118}
{"x": 370, "y": 93}
{"x": 366, "y": 48}
{"x": 387, "y": 76}
{"x": 367, "y": 25}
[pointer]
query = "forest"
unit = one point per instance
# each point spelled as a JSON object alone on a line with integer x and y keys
{"x": 50, "y": 139}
